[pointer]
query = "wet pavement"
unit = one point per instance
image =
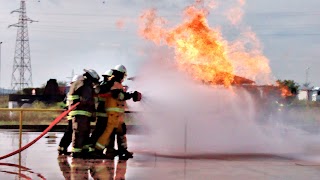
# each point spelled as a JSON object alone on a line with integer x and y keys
{"x": 41, "y": 161}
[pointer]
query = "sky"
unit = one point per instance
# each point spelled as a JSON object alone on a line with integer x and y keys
{"x": 76, "y": 34}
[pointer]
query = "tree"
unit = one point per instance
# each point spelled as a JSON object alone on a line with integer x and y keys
{"x": 290, "y": 85}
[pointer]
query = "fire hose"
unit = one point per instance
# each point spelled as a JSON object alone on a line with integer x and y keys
{"x": 56, "y": 121}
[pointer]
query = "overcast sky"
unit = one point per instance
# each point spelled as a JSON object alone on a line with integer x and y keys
{"x": 77, "y": 34}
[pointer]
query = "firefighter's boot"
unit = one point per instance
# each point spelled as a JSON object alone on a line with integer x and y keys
{"x": 96, "y": 154}
{"x": 63, "y": 151}
{"x": 111, "y": 152}
{"x": 123, "y": 153}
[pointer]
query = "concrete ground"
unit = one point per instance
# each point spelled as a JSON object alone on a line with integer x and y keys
{"x": 41, "y": 161}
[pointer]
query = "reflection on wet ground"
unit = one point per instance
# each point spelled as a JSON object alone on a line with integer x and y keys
{"x": 41, "y": 161}
{"x": 96, "y": 169}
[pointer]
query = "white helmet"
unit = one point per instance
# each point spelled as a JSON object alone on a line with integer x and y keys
{"x": 76, "y": 78}
{"x": 92, "y": 73}
{"x": 108, "y": 73}
{"x": 121, "y": 68}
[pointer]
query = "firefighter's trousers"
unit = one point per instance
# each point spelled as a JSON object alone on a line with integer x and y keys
{"x": 98, "y": 130}
{"x": 67, "y": 137}
{"x": 81, "y": 132}
{"x": 114, "y": 121}
{"x": 121, "y": 136}
{"x": 120, "y": 132}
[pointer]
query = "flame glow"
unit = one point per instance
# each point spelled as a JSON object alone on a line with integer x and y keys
{"x": 120, "y": 23}
{"x": 285, "y": 91}
{"x": 201, "y": 51}
{"x": 236, "y": 13}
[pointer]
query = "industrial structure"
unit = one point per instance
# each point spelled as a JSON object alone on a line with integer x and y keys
{"x": 22, "y": 72}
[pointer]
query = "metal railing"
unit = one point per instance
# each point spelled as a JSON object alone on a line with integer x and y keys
{"x": 21, "y": 110}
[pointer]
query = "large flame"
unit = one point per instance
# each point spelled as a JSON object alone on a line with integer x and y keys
{"x": 285, "y": 91}
{"x": 201, "y": 50}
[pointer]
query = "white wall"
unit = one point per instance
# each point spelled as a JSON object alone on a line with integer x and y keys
{"x": 303, "y": 95}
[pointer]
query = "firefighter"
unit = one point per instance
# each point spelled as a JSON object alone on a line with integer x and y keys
{"x": 115, "y": 108}
{"x": 121, "y": 135}
{"x": 67, "y": 136}
{"x": 102, "y": 121}
{"x": 82, "y": 91}
{"x": 101, "y": 114}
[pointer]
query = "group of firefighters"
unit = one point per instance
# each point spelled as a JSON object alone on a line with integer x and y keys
{"x": 105, "y": 103}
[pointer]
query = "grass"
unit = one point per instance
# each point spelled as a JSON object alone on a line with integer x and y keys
{"x": 29, "y": 117}
{"x": 4, "y": 101}
{"x": 38, "y": 118}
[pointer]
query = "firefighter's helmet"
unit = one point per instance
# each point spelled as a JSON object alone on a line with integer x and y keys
{"x": 120, "y": 68}
{"x": 76, "y": 78}
{"x": 94, "y": 75}
{"x": 108, "y": 73}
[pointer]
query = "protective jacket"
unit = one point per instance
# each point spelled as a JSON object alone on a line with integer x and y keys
{"x": 115, "y": 108}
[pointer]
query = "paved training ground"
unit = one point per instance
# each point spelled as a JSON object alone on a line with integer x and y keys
{"x": 41, "y": 161}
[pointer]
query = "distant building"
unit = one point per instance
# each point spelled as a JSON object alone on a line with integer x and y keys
{"x": 305, "y": 94}
{"x": 309, "y": 94}
{"x": 315, "y": 94}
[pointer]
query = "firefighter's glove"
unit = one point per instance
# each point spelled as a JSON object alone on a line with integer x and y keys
{"x": 121, "y": 96}
{"x": 118, "y": 94}
{"x": 136, "y": 96}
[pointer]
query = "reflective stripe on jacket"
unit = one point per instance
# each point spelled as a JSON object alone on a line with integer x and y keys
{"x": 80, "y": 112}
{"x": 101, "y": 114}
{"x": 115, "y": 109}
{"x": 73, "y": 97}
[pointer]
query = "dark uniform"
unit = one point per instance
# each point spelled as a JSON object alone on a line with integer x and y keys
{"x": 82, "y": 91}
{"x": 67, "y": 136}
